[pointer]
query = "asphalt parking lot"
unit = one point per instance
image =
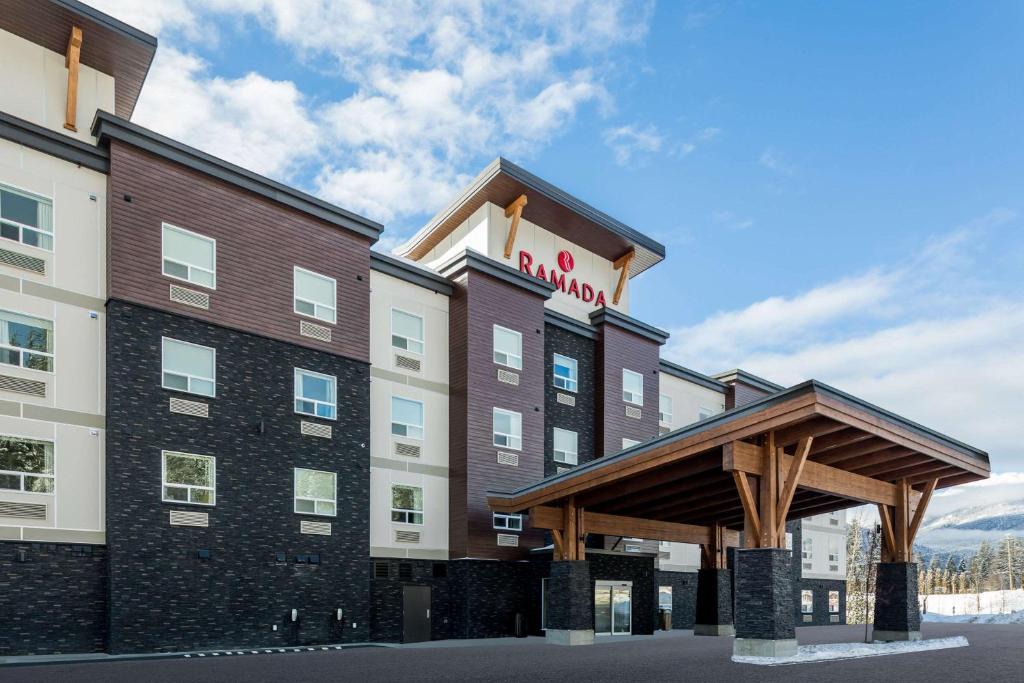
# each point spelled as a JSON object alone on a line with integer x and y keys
{"x": 994, "y": 655}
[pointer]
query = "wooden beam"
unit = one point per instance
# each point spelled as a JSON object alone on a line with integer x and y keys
{"x": 768, "y": 486}
{"x": 902, "y": 522}
{"x": 796, "y": 467}
{"x": 922, "y": 505}
{"x": 749, "y": 507}
{"x": 559, "y": 551}
{"x": 888, "y": 535}
{"x": 571, "y": 530}
{"x": 855, "y": 450}
{"x": 816, "y": 427}
{"x": 545, "y": 517}
{"x": 71, "y": 63}
{"x": 554, "y": 519}
{"x": 622, "y": 265}
{"x": 515, "y": 212}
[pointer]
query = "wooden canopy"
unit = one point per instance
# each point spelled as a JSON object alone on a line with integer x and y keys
{"x": 802, "y": 451}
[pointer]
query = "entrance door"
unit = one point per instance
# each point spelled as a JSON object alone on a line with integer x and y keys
{"x": 613, "y": 608}
{"x": 415, "y": 614}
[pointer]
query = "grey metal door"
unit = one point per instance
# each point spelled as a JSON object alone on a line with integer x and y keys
{"x": 415, "y": 614}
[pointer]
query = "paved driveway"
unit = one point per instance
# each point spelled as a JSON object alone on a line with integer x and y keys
{"x": 994, "y": 655}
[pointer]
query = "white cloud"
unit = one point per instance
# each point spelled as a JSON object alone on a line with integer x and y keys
{"x": 774, "y": 161}
{"x": 629, "y": 142}
{"x": 731, "y": 220}
{"x": 700, "y": 137}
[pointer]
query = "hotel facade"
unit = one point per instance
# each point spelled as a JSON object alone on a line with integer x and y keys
{"x": 226, "y": 422}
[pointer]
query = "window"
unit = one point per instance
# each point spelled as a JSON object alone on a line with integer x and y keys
{"x": 632, "y": 548}
{"x": 565, "y": 443}
{"x": 26, "y": 342}
{"x": 665, "y": 598}
{"x": 808, "y": 549}
{"x": 508, "y": 429}
{"x": 629, "y": 443}
{"x": 833, "y": 518}
{"x": 315, "y": 492}
{"x": 789, "y": 541}
{"x": 704, "y": 413}
{"x": 314, "y": 394}
{"x": 508, "y": 347}
{"x": 406, "y": 418}
{"x": 26, "y": 465}
{"x": 407, "y": 504}
{"x": 189, "y": 478}
{"x": 833, "y": 602}
{"x": 189, "y": 256}
{"x": 189, "y": 367}
{"x": 565, "y": 373}
{"x": 833, "y": 550}
{"x": 26, "y": 218}
{"x": 406, "y": 331}
{"x": 665, "y": 409}
{"x": 508, "y": 522}
{"x": 315, "y": 295}
{"x": 807, "y": 602}
{"x": 632, "y": 387}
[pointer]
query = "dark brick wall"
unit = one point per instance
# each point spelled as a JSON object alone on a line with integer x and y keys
{"x": 163, "y": 598}
{"x": 53, "y": 598}
{"x": 570, "y": 596}
{"x": 764, "y": 594}
{"x": 821, "y": 587}
{"x": 639, "y": 570}
{"x": 714, "y": 597}
{"x": 896, "y": 606}
{"x": 487, "y": 595}
{"x": 684, "y": 596}
{"x": 386, "y": 598}
{"x": 578, "y": 418}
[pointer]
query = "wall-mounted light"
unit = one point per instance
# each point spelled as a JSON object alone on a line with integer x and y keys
{"x": 295, "y": 615}
{"x": 338, "y": 614}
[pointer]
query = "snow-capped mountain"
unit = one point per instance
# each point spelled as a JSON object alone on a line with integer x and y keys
{"x": 965, "y": 528}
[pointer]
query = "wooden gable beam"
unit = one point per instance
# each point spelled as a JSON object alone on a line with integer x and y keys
{"x": 622, "y": 265}
{"x": 553, "y": 519}
{"x": 922, "y": 505}
{"x": 515, "y": 212}
{"x": 796, "y": 467}
{"x": 71, "y": 63}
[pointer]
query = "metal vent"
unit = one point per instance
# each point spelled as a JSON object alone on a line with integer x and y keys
{"x": 407, "y": 449}
{"x": 194, "y": 408}
{"x": 508, "y": 459}
{"x": 560, "y": 470}
{"x": 508, "y": 377}
{"x": 509, "y": 540}
{"x": 20, "y": 385}
{"x": 316, "y": 528}
{"x": 407, "y": 363}
{"x": 308, "y": 329}
{"x": 566, "y": 399}
{"x": 833, "y": 618}
{"x": 187, "y": 518}
{"x": 13, "y": 258}
{"x": 381, "y": 570}
{"x": 808, "y": 617}
{"x": 190, "y": 297}
{"x": 23, "y": 510}
{"x": 662, "y": 430}
{"x": 833, "y": 567}
{"x": 407, "y": 536}
{"x": 633, "y": 412}
{"x": 315, "y": 429}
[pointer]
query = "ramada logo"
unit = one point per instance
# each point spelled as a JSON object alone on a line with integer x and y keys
{"x": 584, "y": 291}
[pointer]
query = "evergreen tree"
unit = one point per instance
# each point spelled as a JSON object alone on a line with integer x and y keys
{"x": 984, "y": 564}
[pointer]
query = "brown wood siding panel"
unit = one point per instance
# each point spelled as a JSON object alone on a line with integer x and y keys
{"x": 744, "y": 394}
{"x": 618, "y": 349}
{"x": 259, "y": 243}
{"x": 457, "y": 397}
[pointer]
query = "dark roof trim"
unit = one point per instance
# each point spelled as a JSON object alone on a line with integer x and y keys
{"x": 53, "y": 143}
{"x": 689, "y": 375}
{"x": 607, "y": 315}
{"x": 412, "y": 273}
{"x": 745, "y": 377}
{"x": 728, "y": 416}
{"x": 107, "y": 126}
{"x": 562, "y": 321}
{"x": 475, "y": 261}
{"x": 107, "y": 20}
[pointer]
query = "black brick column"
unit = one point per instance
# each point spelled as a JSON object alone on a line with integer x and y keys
{"x": 897, "y": 616}
{"x": 764, "y": 603}
{"x": 714, "y": 603}
{"x": 570, "y": 607}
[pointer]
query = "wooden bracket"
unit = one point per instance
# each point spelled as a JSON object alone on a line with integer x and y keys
{"x": 749, "y": 508}
{"x": 71, "y": 62}
{"x": 796, "y": 466}
{"x": 622, "y": 265}
{"x": 901, "y": 522}
{"x": 515, "y": 212}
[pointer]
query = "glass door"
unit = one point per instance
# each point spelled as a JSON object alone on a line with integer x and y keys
{"x": 612, "y": 608}
{"x": 602, "y": 610}
{"x": 621, "y": 607}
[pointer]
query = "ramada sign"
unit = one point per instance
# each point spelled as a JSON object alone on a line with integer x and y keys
{"x": 567, "y": 284}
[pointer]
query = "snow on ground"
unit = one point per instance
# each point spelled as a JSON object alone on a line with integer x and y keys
{"x": 1011, "y": 618}
{"x": 820, "y": 653}
{"x": 988, "y": 603}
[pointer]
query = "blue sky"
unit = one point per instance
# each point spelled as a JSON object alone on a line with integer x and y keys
{"x": 839, "y": 185}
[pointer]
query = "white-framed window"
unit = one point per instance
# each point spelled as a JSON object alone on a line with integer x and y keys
{"x": 665, "y": 598}
{"x": 833, "y": 550}
{"x": 508, "y": 347}
{"x": 565, "y": 446}
{"x": 807, "y": 602}
{"x": 406, "y": 331}
{"x": 406, "y": 504}
{"x": 316, "y": 295}
{"x": 189, "y": 256}
{"x": 507, "y": 522}
{"x": 406, "y": 417}
{"x": 26, "y": 465}
{"x": 833, "y": 518}
{"x": 508, "y": 429}
{"x": 628, "y": 443}
{"x": 26, "y": 218}
{"x": 189, "y": 478}
{"x": 188, "y": 367}
{"x": 26, "y": 341}
{"x": 665, "y": 410}
{"x": 789, "y": 541}
{"x": 316, "y": 492}
{"x": 565, "y": 371}
{"x": 632, "y": 387}
{"x": 808, "y": 549}
{"x": 704, "y": 413}
{"x": 833, "y": 602}
{"x": 315, "y": 394}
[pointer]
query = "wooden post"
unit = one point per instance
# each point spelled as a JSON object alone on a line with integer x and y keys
{"x": 713, "y": 555}
{"x": 571, "y": 538}
{"x": 71, "y": 62}
{"x": 515, "y": 212}
{"x": 902, "y": 522}
{"x": 769, "y": 493}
